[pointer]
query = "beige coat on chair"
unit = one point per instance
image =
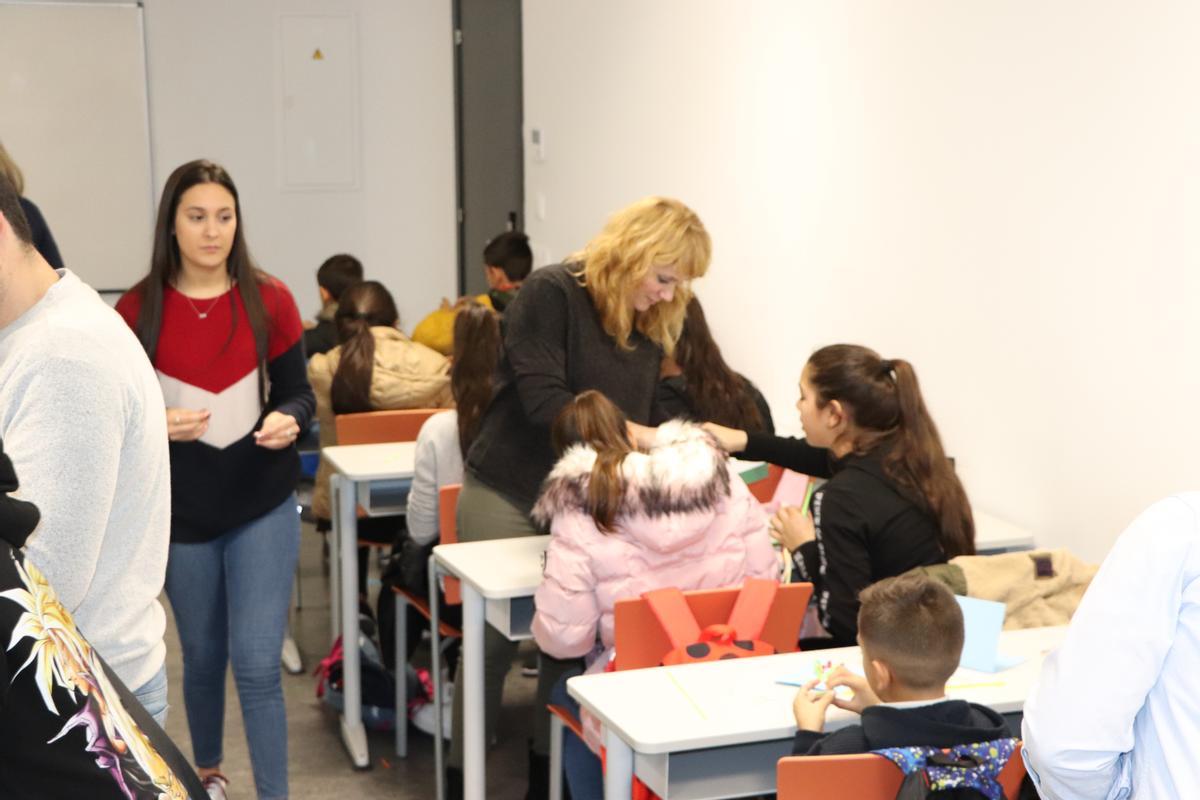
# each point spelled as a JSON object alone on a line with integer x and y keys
{"x": 405, "y": 375}
{"x": 1011, "y": 578}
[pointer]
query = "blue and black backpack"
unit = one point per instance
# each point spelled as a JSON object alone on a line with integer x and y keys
{"x": 965, "y": 772}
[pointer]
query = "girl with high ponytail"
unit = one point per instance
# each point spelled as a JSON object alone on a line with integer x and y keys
{"x": 892, "y": 501}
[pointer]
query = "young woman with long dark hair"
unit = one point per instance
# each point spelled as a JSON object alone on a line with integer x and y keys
{"x": 623, "y": 522}
{"x": 225, "y": 338}
{"x": 892, "y": 501}
{"x": 697, "y": 384}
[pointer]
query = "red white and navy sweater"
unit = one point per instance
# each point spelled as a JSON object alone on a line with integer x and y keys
{"x": 225, "y": 480}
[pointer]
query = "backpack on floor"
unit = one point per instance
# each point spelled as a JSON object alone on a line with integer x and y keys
{"x": 378, "y": 685}
{"x": 965, "y": 772}
{"x": 738, "y": 638}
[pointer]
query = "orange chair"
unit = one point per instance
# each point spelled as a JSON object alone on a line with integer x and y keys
{"x": 640, "y": 642}
{"x": 446, "y": 633}
{"x": 373, "y": 427}
{"x": 863, "y": 777}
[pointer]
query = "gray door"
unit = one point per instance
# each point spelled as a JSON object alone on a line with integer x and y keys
{"x": 491, "y": 180}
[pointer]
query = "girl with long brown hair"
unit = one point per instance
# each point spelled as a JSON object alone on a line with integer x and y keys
{"x": 892, "y": 502}
{"x": 623, "y": 522}
{"x": 375, "y": 367}
{"x": 697, "y": 383}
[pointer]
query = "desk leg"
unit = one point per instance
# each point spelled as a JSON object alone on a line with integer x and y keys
{"x": 353, "y": 734}
{"x": 471, "y": 695}
{"x": 435, "y": 654}
{"x": 335, "y": 545}
{"x": 618, "y": 768}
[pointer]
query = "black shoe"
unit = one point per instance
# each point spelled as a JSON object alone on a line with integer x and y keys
{"x": 454, "y": 784}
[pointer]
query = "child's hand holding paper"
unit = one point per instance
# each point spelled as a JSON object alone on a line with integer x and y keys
{"x": 810, "y": 706}
{"x": 862, "y": 696}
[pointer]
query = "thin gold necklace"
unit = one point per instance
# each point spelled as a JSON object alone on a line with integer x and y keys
{"x": 204, "y": 314}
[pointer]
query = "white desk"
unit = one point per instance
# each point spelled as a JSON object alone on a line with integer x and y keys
{"x": 375, "y": 477}
{"x": 717, "y": 730}
{"x": 498, "y": 578}
{"x": 994, "y": 535}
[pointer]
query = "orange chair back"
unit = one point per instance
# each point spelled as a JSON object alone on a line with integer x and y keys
{"x": 448, "y": 531}
{"x": 863, "y": 777}
{"x": 640, "y": 641}
{"x": 764, "y": 490}
{"x": 374, "y": 427}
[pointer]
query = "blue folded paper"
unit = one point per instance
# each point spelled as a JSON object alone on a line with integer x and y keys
{"x": 983, "y": 621}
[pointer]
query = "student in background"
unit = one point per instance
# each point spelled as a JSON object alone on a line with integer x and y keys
{"x": 1116, "y": 711}
{"x": 602, "y": 321}
{"x": 911, "y": 632}
{"x": 335, "y": 276}
{"x": 375, "y": 367}
{"x": 445, "y": 437}
{"x": 225, "y": 339}
{"x": 507, "y": 261}
{"x": 43, "y": 240}
{"x": 697, "y": 384}
{"x": 892, "y": 502}
{"x": 81, "y": 415}
{"x": 623, "y": 522}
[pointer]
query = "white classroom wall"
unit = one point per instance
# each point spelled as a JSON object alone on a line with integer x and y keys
{"x": 1005, "y": 193}
{"x": 214, "y": 72}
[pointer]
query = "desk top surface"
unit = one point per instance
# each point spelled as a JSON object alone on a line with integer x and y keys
{"x": 498, "y": 568}
{"x": 369, "y": 462}
{"x": 993, "y": 533}
{"x": 721, "y": 703}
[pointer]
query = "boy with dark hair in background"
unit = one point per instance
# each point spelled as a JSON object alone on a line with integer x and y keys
{"x": 335, "y": 276}
{"x": 507, "y": 260}
{"x": 910, "y": 629}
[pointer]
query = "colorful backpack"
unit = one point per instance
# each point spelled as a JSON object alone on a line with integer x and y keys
{"x": 737, "y": 638}
{"x": 962, "y": 772}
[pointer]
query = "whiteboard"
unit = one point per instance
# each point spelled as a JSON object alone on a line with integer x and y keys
{"x": 73, "y": 116}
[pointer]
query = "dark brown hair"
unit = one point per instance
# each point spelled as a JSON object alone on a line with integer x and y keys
{"x": 717, "y": 393}
{"x": 510, "y": 252}
{"x": 165, "y": 265}
{"x": 914, "y": 625}
{"x": 592, "y": 419}
{"x": 472, "y": 372}
{"x": 883, "y": 399}
{"x": 338, "y": 273}
{"x": 361, "y": 307}
{"x": 10, "y": 207}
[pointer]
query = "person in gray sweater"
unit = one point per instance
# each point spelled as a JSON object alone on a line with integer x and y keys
{"x": 81, "y": 418}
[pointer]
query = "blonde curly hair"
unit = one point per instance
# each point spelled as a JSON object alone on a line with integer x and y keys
{"x": 653, "y": 232}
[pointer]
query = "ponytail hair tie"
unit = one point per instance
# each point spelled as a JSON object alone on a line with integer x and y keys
{"x": 886, "y": 366}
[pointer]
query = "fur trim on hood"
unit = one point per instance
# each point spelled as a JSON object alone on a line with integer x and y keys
{"x": 684, "y": 472}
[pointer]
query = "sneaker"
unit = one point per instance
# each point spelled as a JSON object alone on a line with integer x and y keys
{"x": 215, "y": 786}
{"x": 423, "y": 719}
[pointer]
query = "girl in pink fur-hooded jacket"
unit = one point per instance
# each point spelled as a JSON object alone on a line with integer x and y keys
{"x": 624, "y": 522}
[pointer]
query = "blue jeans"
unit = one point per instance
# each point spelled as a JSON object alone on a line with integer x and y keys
{"x": 585, "y": 777}
{"x": 231, "y": 597}
{"x": 153, "y": 696}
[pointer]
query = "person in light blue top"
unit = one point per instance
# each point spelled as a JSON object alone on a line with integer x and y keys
{"x": 1116, "y": 711}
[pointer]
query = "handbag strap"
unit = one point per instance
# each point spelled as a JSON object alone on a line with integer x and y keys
{"x": 671, "y": 610}
{"x": 752, "y": 607}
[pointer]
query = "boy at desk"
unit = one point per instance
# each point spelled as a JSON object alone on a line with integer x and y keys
{"x": 910, "y": 630}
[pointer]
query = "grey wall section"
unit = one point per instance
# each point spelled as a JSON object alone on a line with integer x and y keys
{"x": 491, "y": 177}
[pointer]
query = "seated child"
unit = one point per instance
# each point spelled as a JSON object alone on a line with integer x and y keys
{"x": 910, "y": 629}
{"x": 335, "y": 276}
{"x": 507, "y": 260}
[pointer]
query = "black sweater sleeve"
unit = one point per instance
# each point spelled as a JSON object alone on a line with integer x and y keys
{"x": 290, "y": 391}
{"x": 535, "y": 344}
{"x": 786, "y": 451}
{"x": 843, "y": 560}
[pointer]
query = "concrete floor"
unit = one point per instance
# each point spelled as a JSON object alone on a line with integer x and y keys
{"x": 319, "y": 766}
